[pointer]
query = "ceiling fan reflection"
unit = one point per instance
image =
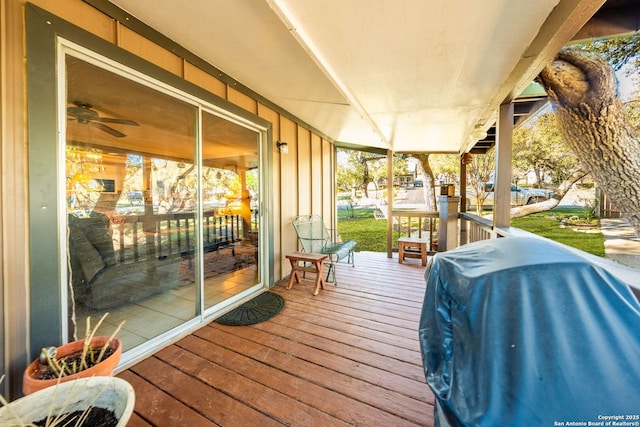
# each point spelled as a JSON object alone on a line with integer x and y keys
{"x": 84, "y": 114}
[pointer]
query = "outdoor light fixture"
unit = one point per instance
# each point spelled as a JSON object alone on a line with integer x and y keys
{"x": 283, "y": 147}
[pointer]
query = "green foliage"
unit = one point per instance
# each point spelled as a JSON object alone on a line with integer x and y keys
{"x": 446, "y": 167}
{"x": 350, "y": 170}
{"x": 358, "y": 168}
{"x": 540, "y": 148}
{"x": 252, "y": 180}
{"x": 618, "y": 51}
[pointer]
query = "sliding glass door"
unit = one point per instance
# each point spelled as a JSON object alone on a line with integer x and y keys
{"x": 230, "y": 190}
{"x": 162, "y": 194}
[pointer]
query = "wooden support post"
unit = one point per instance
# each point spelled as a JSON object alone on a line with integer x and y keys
{"x": 448, "y": 227}
{"x": 502, "y": 179}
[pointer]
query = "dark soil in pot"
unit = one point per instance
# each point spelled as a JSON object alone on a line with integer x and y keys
{"x": 73, "y": 360}
{"x": 94, "y": 417}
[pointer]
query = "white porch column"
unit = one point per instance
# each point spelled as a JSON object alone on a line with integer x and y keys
{"x": 448, "y": 226}
{"x": 502, "y": 178}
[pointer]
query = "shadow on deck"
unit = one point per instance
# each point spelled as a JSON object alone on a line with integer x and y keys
{"x": 349, "y": 356}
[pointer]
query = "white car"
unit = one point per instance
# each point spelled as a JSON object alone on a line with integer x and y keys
{"x": 519, "y": 196}
{"x": 542, "y": 194}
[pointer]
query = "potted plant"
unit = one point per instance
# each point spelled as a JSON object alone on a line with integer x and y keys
{"x": 91, "y": 356}
{"x": 104, "y": 401}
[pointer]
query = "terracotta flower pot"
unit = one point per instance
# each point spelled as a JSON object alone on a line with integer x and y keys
{"x": 110, "y": 393}
{"x": 31, "y": 381}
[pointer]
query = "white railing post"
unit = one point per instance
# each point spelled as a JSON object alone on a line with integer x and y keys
{"x": 448, "y": 227}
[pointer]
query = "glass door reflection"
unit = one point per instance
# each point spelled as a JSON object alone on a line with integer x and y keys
{"x": 139, "y": 244}
{"x": 230, "y": 188}
{"x": 131, "y": 204}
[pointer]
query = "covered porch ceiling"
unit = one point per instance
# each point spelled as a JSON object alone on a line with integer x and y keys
{"x": 409, "y": 76}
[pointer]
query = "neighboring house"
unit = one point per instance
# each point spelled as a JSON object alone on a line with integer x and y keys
{"x": 404, "y": 180}
{"x": 85, "y": 86}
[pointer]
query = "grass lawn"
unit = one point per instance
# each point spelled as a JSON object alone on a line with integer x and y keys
{"x": 371, "y": 233}
{"x": 548, "y": 224}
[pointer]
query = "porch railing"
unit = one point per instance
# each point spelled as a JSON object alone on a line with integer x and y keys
{"x": 173, "y": 234}
{"x": 478, "y": 228}
{"x": 606, "y": 208}
{"x": 415, "y": 223}
{"x": 424, "y": 224}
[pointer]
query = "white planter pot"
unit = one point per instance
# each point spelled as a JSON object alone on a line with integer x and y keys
{"x": 110, "y": 393}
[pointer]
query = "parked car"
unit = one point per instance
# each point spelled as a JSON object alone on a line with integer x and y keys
{"x": 519, "y": 196}
{"x": 542, "y": 194}
{"x": 135, "y": 198}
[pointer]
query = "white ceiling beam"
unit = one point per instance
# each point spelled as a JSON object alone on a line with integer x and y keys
{"x": 298, "y": 32}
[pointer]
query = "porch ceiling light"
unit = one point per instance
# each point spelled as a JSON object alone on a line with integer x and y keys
{"x": 283, "y": 147}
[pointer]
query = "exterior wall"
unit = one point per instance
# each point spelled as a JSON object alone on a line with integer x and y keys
{"x": 304, "y": 171}
{"x": 289, "y": 190}
{"x": 303, "y": 180}
{"x": 13, "y": 220}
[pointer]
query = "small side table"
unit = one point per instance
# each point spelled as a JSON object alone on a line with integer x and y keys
{"x": 409, "y": 247}
{"x": 298, "y": 262}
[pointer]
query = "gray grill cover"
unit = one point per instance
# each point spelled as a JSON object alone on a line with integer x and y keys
{"x": 522, "y": 332}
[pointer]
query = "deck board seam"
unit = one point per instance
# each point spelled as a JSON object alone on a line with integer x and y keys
{"x": 307, "y": 380}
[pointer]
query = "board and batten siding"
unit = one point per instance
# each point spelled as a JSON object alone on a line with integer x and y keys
{"x": 303, "y": 180}
{"x": 304, "y": 171}
{"x": 317, "y": 165}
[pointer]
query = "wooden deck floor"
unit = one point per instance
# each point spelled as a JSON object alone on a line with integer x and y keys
{"x": 349, "y": 356}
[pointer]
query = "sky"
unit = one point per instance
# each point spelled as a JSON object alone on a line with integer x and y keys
{"x": 628, "y": 81}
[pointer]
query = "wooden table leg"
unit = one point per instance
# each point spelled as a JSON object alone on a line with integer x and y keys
{"x": 423, "y": 253}
{"x": 319, "y": 277}
{"x": 400, "y": 252}
{"x": 312, "y": 263}
{"x": 294, "y": 273}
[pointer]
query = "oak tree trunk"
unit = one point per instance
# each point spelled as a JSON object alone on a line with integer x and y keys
{"x": 583, "y": 90}
{"x": 552, "y": 202}
{"x": 428, "y": 183}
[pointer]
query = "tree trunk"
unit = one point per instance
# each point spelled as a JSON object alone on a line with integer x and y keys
{"x": 539, "y": 172}
{"x": 365, "y": 175}
{"x": 428, "y": 183}
{"x": 583, "y": 91}
{"x": 554, "y": 201}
